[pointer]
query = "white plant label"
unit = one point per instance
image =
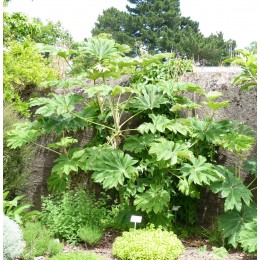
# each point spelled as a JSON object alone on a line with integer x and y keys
{"x": 136, "y": 219}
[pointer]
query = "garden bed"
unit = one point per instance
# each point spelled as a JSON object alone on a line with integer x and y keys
{"x": 192, "y": 249}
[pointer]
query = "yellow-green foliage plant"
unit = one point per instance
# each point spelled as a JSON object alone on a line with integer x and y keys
{"x": 149, "y": 243}
{"x": 24, "y": 69}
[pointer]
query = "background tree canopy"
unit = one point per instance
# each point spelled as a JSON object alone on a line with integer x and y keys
{"x": 157, "y": 26}
{"x": 18, "y": 26}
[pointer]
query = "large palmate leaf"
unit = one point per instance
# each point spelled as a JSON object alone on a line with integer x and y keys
{"x": 65, "y": 165}
{"x": 160, "y": 123}
{"x": 251, "y": 166}
{"x": 155, "y": 199}
{"x": 105, "y": 90}
{"x": 149, "y": 98}
{"x": 58, "y": 105}
{"x": 200, "y": 172}
{"x": 100, "y": 48}
{"x": 138, "y": 143}
{"x": 102, "y": 90}
{"x": 212, "y": 95}
{"x": 198, "y": 127}
{"x": 248, "y": 236}
{"x": 216, "y": 105}
{"x": 61, "y": 83}
{"x": 69, "y": 122}
{"x": 45, "y": 48}
{"x": 112, "y": 167}
{"x": 232, "y": 189}
{"x": 58, "y": 182}
{"x": 169, "y": 151}
{"x": 64, "y": 142}
{"x": 235, "y": 142}
{"x": 22, "y": 134}
{"x": 232, "y": 222}
{"x": 181, "y": 102}
{"x": 171, "y": 87}
{"x": 61, "y": 123}
{"x": 188, "y": 189}
{"x": 179, "y": 125}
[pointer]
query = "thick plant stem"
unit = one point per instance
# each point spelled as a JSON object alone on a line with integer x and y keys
{"x": 92, "y": 122}
{"x": 251, "y": 183}
{"x": 47, "y": 148}
{"x": 131, "y": 117}
{"x": 119, "y": 193}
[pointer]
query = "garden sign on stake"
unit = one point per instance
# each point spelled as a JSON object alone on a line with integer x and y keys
{"x": 135, "y": 219}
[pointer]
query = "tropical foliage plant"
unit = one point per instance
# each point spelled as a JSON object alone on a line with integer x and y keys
{"x": 247, "y": 60}
{"x": 145, "y": 149}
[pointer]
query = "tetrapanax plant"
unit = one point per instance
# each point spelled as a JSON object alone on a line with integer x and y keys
{"x": 164, "y": 154}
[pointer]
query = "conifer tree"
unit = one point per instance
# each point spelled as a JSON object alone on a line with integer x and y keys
{"x": 157, "y": 25}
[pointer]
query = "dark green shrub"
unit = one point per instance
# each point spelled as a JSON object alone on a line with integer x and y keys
{"x": 77, "y": 256}
{"x": 90, "y": 234}
{"x": 67, "y": 213}
{"x": 39, "y": 241}
{"x": 147, "y": 244}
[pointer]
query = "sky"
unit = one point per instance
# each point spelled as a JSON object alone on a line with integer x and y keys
{"x": 237, "y": 19}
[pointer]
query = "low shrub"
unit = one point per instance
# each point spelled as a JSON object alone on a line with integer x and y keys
{"x": 66, "y": 214}
{"x": 147, "y": 244}
{"x": 39, "y": 241}
{"x": 77, "y": 256}
{"x": 12, "y": 239}
{"x": 90, "y": 234}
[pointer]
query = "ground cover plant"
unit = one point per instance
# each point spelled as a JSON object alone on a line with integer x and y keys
{"x": 149, "y": 243}
{"x": 152, "y": 161}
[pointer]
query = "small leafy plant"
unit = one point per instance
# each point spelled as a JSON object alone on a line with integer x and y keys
{"x": 39, "y": 241}
{"x": 149, "y": 243}
{"x": 219, "y": 252}
{"x": 90, "y": 234}
{"x": 66, "y": 214}
{"x": 17, "y": 211}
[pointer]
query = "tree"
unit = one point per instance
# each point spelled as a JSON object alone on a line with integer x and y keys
{"x": 157, "y": 25}
{"x": 18, "y": 26}
{"x": 116, "y": 23}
